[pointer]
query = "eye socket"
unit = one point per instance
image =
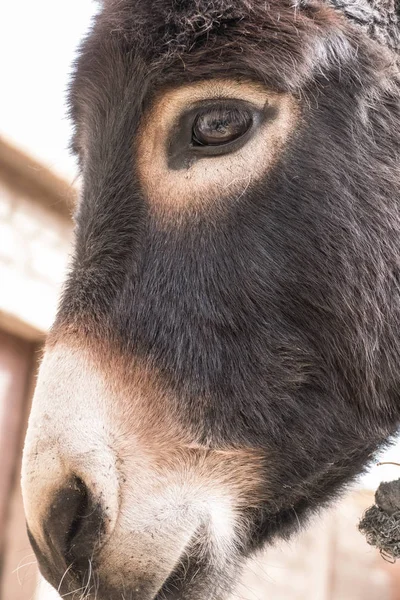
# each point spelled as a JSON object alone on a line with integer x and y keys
{"x": 212, "y": 128}
{"x": 220, "y": 126}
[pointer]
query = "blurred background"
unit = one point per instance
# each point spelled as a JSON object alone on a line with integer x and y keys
{"x": 38, "y": 187}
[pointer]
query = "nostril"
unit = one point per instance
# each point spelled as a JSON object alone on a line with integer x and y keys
{"x": 65, "y": 516}
{"x": 74, "y": 524}
{"x": 72, "y": 530}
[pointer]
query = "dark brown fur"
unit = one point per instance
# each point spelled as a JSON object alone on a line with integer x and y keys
{"x": 276, "y": 327}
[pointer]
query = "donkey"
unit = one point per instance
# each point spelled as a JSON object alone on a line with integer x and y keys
{"x": 226, "y": 356}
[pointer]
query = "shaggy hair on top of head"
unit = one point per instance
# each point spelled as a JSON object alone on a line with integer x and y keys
{"x": 378, "y": 18}
{"x": 223, "y": 31}
{"x": 246, "y": 38}
{"x": 186, "y": 20}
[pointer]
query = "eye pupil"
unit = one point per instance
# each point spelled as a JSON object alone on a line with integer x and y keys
{"x": 220, "y": 126}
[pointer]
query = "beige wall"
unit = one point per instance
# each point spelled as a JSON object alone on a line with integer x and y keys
{"x": 35, "y": 240}
{"x": 34, "y": 248}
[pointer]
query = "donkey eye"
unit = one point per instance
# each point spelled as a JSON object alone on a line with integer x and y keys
{"x": 220, "y": 126}
{"x": 213, "y": 128}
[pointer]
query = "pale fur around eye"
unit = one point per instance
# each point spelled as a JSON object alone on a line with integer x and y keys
{"x": 193, "y": 184}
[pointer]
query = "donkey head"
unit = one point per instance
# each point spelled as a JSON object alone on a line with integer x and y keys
{"x": 225, "y": 356}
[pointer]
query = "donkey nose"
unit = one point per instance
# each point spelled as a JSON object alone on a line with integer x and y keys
{"x": 72, "y": 526}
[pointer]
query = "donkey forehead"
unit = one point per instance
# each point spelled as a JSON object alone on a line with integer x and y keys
{"x": 146, "y": 44}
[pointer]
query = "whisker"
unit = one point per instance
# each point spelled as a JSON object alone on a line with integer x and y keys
{"x": 17, "y": 570}
{"x": 22, "y": 566}
{"x": 63, "y": 577}
{"x": 87, "y": 589}
{"x": 22, "y": 559}
{"x": 73, "y": 592}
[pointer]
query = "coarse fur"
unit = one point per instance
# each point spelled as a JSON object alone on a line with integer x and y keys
{"x": 271, "y": 320}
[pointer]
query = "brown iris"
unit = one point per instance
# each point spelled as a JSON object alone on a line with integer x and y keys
{"x": 220, "y": 126}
